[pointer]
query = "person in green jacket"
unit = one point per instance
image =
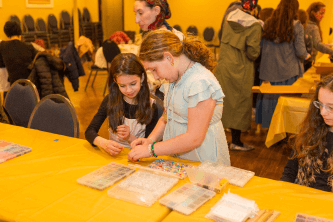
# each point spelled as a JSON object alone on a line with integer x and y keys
{"x": 240, "y": 46}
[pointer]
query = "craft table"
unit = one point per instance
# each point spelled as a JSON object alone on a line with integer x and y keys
{"x": 41, "y": 185}
{"x": 287, "y": 198}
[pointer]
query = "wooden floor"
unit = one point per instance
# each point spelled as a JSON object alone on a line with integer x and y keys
{"x": 265, "y": 162}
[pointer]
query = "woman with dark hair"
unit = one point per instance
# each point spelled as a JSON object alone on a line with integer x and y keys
{"x": 316, "y": 12}
{"x": 240, "y": 45}
{"x": 15, "y": 55}
{"x": 152, "y": 15}
{"x": 311, "y": 160}
{"x": 132, "y": 113}
{"x": 191, "y": 125}
{"x": 282, "y": 49}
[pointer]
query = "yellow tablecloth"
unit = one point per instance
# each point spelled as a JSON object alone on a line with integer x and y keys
{"x": 41, "y": 185}
{"x": 289, "y": 113}
{"x": 284, "y": 197}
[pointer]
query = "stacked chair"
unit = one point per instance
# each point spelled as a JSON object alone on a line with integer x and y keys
{"x": 95, "y": 28}
{"x": 66, "y": 24}
{"x": 208, "y": 35}
{"x": 26, "y": 36}
{"x": 30, "y": 27}
{"x": 51, "y": 39}
{"x": 192, "y": 30}
{"x": 64, "y": 35}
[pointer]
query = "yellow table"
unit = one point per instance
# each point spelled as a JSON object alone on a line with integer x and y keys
{"x": 41, "y": 185}
{"x": 287, "y": 198}
{"x": 288, "y": 115}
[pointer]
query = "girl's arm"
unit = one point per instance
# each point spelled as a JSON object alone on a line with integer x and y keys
{"x": 199, "y": 118}
{"x": 299, "y": 41}
{"x": 290, "y": 170}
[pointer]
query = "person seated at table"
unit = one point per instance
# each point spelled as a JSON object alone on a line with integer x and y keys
{"x": 311, "y": 159}
{"x": 15, "y": 55}
{"x": 132, "y": 113}
{"x": 193, "y": 101}
{"x": 282, "y": 49}
{"x": 316, "y": 12}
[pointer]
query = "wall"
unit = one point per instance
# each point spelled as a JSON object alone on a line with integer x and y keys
{"x": 18, "y": 7}
{"x": 210, "y": 13}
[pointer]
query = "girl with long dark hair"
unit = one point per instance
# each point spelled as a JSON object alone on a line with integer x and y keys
{"x": 132, "y": 113}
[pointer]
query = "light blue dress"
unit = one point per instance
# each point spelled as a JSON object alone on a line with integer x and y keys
{"x": 197, "y": 84}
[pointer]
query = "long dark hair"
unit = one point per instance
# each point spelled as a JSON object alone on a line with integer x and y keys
{"x": 157, "y": 42}
{"x": 314, "y": 8}
{"x": 280, "y": 26}
{"x": 128, "y": 64}
{"x": 311, "y": 140}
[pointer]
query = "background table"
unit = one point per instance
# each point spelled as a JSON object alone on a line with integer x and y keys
{"x": 41, "y": 186}
{"x": 289, "y": 113}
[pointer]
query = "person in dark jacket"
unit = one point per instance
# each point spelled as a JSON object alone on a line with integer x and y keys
{"x": 311, "y": 160}
{"x": 14, "y": 54}
{"x": 74, "y": 67}
{"x": 46, "y": 74}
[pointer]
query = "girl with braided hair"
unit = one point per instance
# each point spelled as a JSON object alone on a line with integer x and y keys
{"x": 191, "y": 125}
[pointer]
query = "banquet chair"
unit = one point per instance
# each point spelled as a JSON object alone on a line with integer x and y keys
{"x": 208, "y": 35}
{"x": 55, "y": 114}
{"x": 177, "y": 27}
{"x": 159, "y": 104}
{"x": 51, "y": 39}
{"x": 21, "y": 99}
{"x": 26, "y": 36}
{"x": 192, "y": 30}
{"x": 30, "y": 27}
{"x": 97, "y": 35}
{"x": 66, "y": 24}
{"x": 110, "y": 50}
{"x": 64, "y": 35}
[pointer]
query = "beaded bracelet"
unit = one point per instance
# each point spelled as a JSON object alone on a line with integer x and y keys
{"x": 149, "y": 150}
{"x": 152, "y": 149}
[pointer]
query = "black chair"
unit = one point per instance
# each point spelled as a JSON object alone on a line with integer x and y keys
{"x": 21, "y": 99}
{"x": 177, "y": 27}
{"x": 30, "y": 26}
{"x": 208, "y": 35}
{"x": 192, "y": 30}
{"x": 131, "y": 35}
{"x": 51, "y": 39}
{"x": 110, "y": 50}
{"x": 55, "y": 114}
{"x": 64, "y": 35}
{"x": 66, "y": 24}
{"x": 26, "y": 36}
{"x": 97, "y": 28}
{"x": 159, "y": 104}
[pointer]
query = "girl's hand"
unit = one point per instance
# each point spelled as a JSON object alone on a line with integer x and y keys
{"x": 139, "y": 152}
{"x": 124, "y": 132}
{"x": 141, "y": 141}
{"x": 112, "y": 147}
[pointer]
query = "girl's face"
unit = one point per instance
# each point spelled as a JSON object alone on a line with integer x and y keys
{"x": 144, "y": 15}
{"x": 162, "y": 70}
{"x": 129, "y": 85}
{"x": 325, "y": 97}
{"x": 320, "y": 14}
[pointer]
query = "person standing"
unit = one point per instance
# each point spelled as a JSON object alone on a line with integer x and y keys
{"x": 240, "y": 46}
{"x": 316, "y": 12}
{"x": 282, "y": 49}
